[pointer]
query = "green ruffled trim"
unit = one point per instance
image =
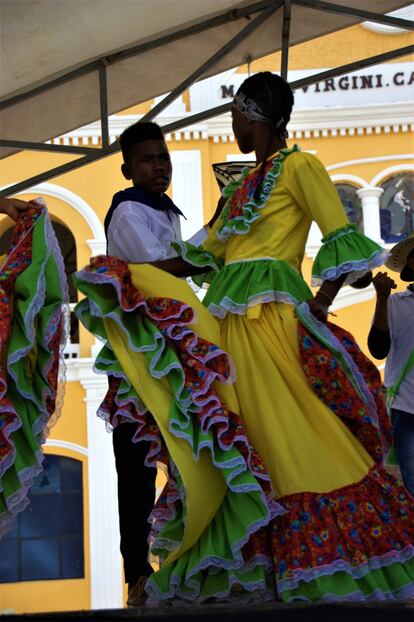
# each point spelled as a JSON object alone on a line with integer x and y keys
{"x": 198, "y": 256}
{"x": 251, "y": 209}
{"x": 245, "y": 284}
{"x": 394, "y": 581}
{"x": 346, "y": 251}
{"x": 338, "y": 233}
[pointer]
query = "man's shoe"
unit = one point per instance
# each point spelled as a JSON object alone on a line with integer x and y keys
{"x": 137, "y": 595}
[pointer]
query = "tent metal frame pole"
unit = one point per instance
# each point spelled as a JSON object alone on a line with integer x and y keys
{"x": 213, "y": 60}
{"x": 285, "y": 39}
{"x": 369, "y": 16}
{"x": 103, "y": 101}
{"x": 234, "y": 42}
{"x": 297, "y": 84}
{"x": 201, "y": 116}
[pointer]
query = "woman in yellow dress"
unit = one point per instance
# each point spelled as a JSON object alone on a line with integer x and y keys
{"x": 276, "y": 485}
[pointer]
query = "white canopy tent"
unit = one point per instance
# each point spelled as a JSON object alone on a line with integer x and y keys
{"x": 66, "y": 63}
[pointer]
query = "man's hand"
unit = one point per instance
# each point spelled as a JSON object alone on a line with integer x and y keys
{"x": 12, "y": 207}
{"x": 383, "y": 285}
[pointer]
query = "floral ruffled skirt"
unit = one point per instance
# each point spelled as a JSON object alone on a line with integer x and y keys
{"x": 275, "y": 482}
{"x": 32, "y": 290}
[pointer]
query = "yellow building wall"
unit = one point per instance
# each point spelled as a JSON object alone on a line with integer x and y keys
{"x": 71, "y": 425}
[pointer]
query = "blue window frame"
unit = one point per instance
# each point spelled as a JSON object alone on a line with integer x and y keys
{"x": 46, "y": 541}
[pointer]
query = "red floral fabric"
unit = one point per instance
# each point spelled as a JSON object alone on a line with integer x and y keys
{"x": 331, "y": 384}
{"x": 366, "y": 521}
{"x": 16, "y": 262}
{"x": 245, "y": 192}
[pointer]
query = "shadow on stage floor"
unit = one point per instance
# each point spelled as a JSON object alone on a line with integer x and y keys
{"x": 347, "y": 612}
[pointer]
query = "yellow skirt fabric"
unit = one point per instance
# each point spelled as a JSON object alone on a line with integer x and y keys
{"x": 305, "y": 447}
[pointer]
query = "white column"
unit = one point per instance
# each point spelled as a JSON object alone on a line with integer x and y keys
{"x": 370, "y": 199}
{"x": 105, "y": 557}
{"x": 187, "y": 189}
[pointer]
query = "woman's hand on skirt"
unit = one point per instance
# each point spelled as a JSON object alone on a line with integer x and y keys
{"x": 12, "y": 207}
{"x": 319, "y": 308}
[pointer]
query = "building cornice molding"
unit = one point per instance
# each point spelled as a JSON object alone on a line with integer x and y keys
{"x": 305, "y": 123}
{"x": 407, "y": 158}
{"x": 383, "y": 29}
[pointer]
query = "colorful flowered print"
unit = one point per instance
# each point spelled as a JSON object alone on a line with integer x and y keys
{"x": 355, "y": 529}
{"x": 242, "y": 207}
{"x": 332, "y": 385}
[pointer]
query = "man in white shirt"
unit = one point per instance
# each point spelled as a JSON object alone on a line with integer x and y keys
{"x": 392, "y": 336}
{"x": 140, "y": 226}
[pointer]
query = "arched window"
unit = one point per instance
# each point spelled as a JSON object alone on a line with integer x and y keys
{"x": 397, "y": 207}
{"x": 67, "y": 245}
{"x": 352, "y": 204}
{"x": 46, "y": 541}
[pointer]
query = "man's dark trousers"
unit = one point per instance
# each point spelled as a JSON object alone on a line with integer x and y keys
{"x": 136, "y": 496}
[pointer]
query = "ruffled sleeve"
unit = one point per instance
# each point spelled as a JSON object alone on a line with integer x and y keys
{"x": 344, "y": 249}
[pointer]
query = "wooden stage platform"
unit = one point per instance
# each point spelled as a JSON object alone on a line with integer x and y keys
{"x": 275, "y": 612}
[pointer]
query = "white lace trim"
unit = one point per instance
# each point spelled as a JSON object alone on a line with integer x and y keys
{"x": 227, "y": 305}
